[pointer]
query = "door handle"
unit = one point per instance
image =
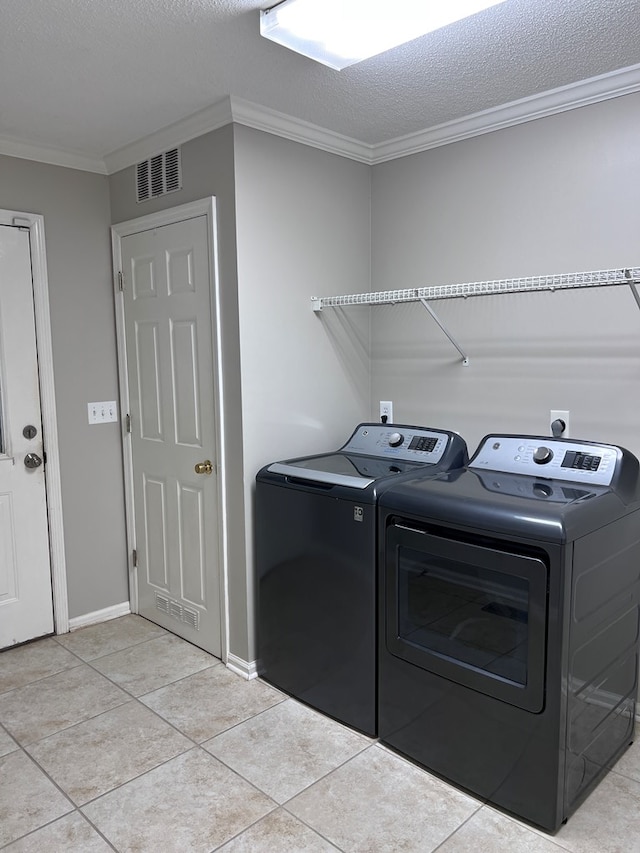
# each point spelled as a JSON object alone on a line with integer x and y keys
{"x": 32, "y": 460}
{"x": 204, "y": 467}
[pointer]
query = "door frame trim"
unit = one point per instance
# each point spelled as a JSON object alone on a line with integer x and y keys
{"x": 202, "y": 207}
{"x": 34, "y": 223}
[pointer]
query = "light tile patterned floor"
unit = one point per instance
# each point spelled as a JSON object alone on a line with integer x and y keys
{"x": 123, "y": 737}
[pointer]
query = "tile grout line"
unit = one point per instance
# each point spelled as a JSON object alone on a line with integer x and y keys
{"x": 537, "y": 831}
{"x": 112, "y": 651}
{"x": 304, "y": 822}
{"x": 217, "y": 663}
{"x": 260, "y": 790}
{"x": 77, "y": 811}
{"x": 81, "y": 660}
{"x": 395, "y": 755}
{"x": 4, "y": 729}
{"x": 38, "y": 680}
{"x": 74, "y": 808}
{"x": 193, "y": 748}
{"x": 458, "y": 828}
{"x": 280, "y": 807}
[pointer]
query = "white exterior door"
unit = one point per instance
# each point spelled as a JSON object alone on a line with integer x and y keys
{"x": 170, "y": 353}
{"x": 26, "y": 608}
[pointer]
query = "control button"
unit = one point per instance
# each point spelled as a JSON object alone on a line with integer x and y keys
{"x": 395, "y": 439}
{"x": 516, "y": 458}
{"x": 542, "y": 455}
{"x": 521, "y": 448}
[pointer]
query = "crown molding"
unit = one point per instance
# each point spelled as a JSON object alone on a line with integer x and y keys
{"x": 197, "y": 124}
{"x": 280, "y": 124}
{"x": 612, "y": 85}
{"x": 232, "y": 109}
{"x": 53, "y": 156}
{"x": 625, "y": 81}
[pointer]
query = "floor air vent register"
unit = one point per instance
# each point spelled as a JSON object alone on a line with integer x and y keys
{"x": 178, "y": 611}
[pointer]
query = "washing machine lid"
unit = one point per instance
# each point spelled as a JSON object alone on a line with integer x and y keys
{"x": 491, "y": 502}
{"x": 377, "y": 452}
{"x": 343, "y": 469}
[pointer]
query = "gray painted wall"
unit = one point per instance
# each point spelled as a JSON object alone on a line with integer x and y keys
{"x": 303, "y": 228}
{"x": 75, "y": 206}
{"x": 554, "y": 195}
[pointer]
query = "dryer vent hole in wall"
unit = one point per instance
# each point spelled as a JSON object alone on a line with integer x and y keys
{"x": 159, "y": 175}
{"x": 178, "y": 611}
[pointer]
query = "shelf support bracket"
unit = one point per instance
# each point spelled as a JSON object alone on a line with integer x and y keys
{"x": 633, "y": 284}
{"x": 465, "y": 357}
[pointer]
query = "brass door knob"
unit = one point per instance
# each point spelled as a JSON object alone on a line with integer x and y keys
{"x": 204, "y": 467}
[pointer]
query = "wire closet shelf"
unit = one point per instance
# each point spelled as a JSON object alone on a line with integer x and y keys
{"x": 627, "y": 276}
{"x": 564, "y": 281}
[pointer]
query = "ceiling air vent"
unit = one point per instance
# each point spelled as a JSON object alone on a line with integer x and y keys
{"x": 159, "y": 175}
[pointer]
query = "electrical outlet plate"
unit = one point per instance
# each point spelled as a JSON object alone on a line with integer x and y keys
{"x": 102, "y": 413}
{"x": 563, "y": 415}
{"x": 386, "y": 408}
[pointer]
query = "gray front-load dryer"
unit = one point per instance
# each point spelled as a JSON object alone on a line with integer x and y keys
{"x": 509, "y": 620}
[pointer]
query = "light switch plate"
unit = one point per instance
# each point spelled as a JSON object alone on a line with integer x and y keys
{"x": 102, "y": 413}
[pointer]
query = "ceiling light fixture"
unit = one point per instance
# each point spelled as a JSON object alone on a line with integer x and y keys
{"x": 339, "y": 33}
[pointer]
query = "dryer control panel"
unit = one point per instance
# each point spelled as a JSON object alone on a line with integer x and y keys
{"x": 550, "y": 458}
{"x": 397, "y": 441}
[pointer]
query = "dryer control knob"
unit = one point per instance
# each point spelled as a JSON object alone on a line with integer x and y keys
{"x": 395, "y": 439}
{"x": 542, "y": 455}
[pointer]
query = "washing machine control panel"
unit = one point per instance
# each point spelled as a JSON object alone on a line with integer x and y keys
{"x": 555, "y": 459}
{"x": 396, "y": 441}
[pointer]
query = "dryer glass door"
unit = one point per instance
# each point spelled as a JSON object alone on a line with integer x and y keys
{"x": 471, "y": 613}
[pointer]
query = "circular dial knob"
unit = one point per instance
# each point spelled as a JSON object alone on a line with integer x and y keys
{"x": 542, "y": 455}
{"x": 395, "y": 439}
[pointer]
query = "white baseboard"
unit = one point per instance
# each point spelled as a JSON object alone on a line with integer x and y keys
{"x": 104, "y": 615}
{"x": 246, "y": 669}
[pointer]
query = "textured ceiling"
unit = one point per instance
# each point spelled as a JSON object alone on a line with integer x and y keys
{"x": 91, "y": 76}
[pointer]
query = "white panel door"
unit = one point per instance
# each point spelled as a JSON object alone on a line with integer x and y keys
{"x": 171, "y": 379}
{"x": 26, "y": 608}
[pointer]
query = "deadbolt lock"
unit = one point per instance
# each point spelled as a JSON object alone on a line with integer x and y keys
{"x": 204, "y": 467}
